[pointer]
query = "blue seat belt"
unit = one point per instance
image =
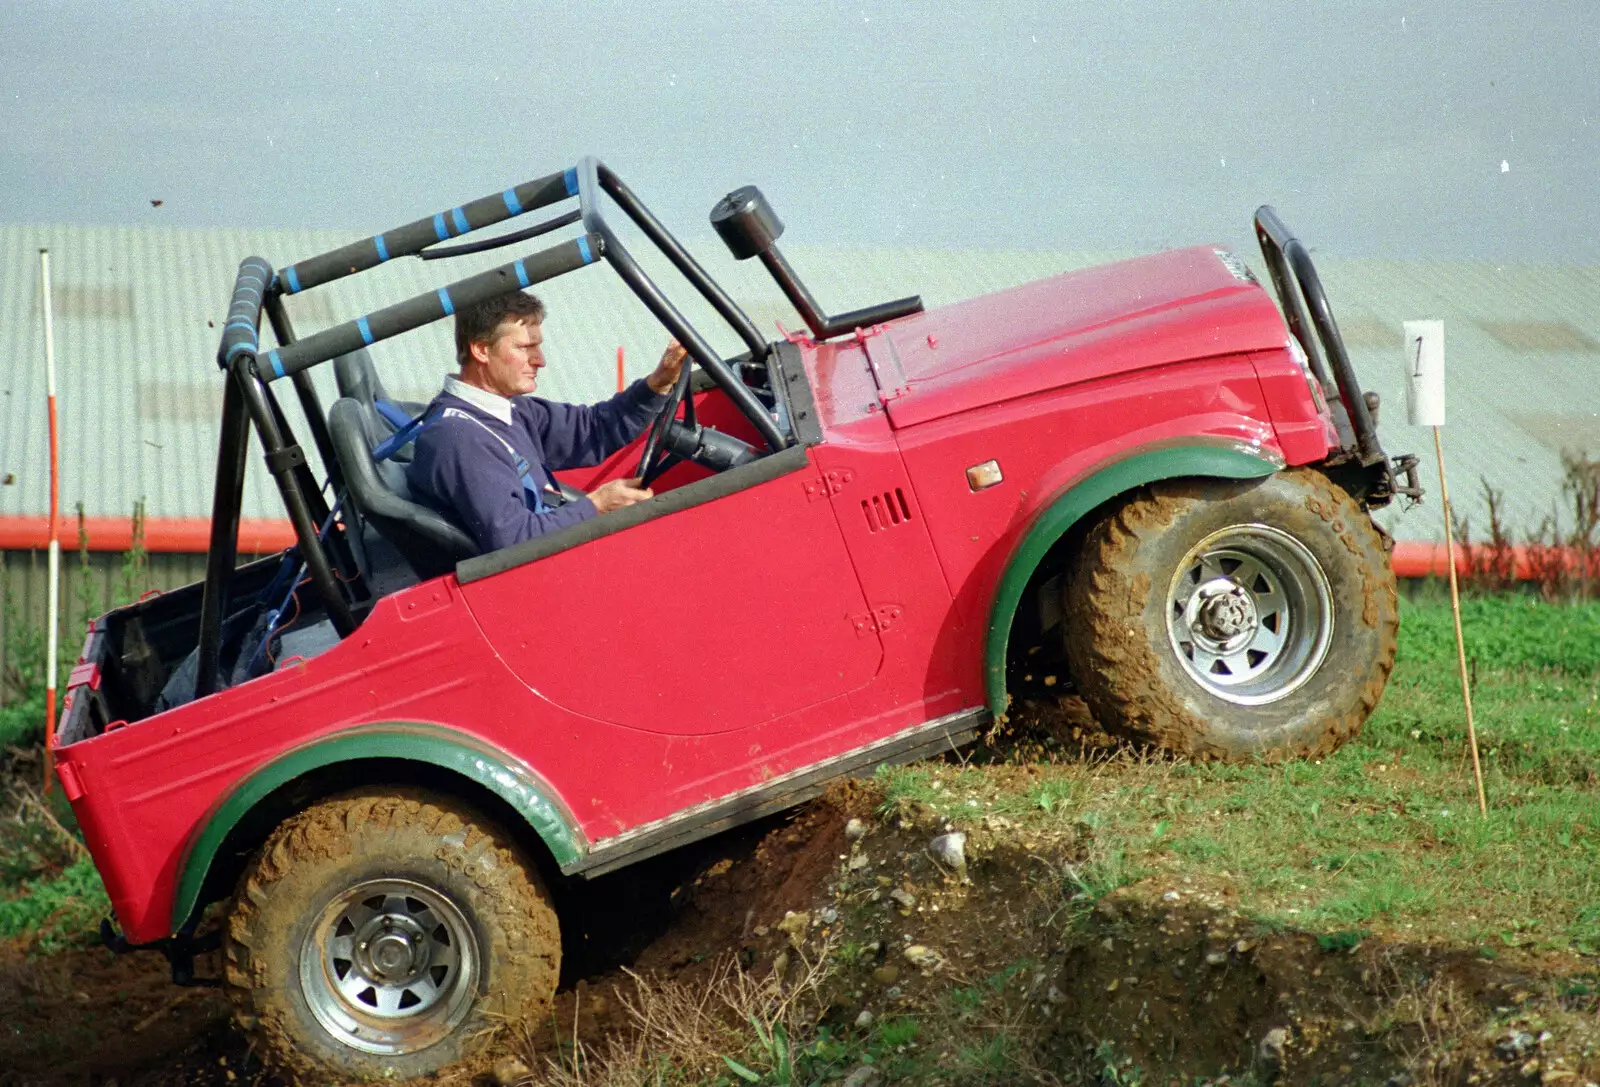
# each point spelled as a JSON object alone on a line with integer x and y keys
{"x": 394, "y": 413}
{"x": 405, "y": 432}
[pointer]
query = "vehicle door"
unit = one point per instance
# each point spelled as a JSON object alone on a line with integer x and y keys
{"x": 723, "y": 615}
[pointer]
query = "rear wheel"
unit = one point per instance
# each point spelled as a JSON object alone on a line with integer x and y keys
{"x": 382, "y": 935}
{"x": 1225, "y": 619}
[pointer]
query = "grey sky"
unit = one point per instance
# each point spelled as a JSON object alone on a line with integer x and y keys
{"x": 1377, "y": 128}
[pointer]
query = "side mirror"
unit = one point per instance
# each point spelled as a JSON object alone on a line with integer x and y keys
{"x": 746, "y": 222}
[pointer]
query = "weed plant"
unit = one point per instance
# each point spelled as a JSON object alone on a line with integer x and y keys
{"x": 1561, "y": 557}
{"x": 50, "y": 894}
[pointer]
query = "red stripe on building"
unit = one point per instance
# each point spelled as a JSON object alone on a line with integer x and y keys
{"x": 182, "y": 535}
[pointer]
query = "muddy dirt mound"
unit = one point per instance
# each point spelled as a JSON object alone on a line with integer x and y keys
{"x": 1185, "y": 986}
{"x": 1015, "y": 972}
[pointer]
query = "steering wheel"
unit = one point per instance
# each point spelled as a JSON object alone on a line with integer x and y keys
{"x": 657, "y": 458}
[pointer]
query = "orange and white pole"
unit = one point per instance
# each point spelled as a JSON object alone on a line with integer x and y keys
{"x": 620, "y": 385}
{"x": 54, "y": 607}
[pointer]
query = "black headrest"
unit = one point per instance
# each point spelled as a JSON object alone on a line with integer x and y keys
{"x": 357, "y": 377}
{"x": 429, "y": 540}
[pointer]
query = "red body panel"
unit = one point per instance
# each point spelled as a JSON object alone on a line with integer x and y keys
{"x": 1133, "y": 315}
{"x": 704, "y": 652}
{"x": 1046, "y": 443}
{"x": 1305, "y": 432}
{"x": 601, "y": 630}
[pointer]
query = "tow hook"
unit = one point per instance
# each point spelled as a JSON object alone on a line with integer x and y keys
{"x": 1405, "y": 467}
{"x": 180, "y": 952}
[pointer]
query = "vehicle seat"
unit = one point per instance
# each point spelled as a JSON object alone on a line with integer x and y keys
{"x": 427, "y": 539}
{"x": 358, "y": 379}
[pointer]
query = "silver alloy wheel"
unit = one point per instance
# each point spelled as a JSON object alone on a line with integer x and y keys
{"x": 391, "y": 966}
{"x": 1250, "y": 614}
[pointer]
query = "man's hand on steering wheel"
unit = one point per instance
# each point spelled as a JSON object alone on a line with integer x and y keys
{"x": 666, "y": 372}
{"x": 669, "y": 378}
{"x": 618, "y": 494}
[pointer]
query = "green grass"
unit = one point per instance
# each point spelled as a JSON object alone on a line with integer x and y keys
{"x": 1386, "y": 832}
{"x": 1504, "y": 632}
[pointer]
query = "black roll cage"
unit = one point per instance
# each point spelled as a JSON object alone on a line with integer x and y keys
{"x": 249, "y": 401}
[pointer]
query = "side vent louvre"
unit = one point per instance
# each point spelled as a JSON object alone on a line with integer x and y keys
{"x": 886, "y": 510}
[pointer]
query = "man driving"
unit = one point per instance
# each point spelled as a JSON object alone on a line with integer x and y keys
{"x": 487, "y": 450}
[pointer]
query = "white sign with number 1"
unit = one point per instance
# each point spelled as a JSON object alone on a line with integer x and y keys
{"x": 1425, "y": 373}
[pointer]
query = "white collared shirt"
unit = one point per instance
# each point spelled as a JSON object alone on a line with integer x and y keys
{"x": 495, "y": 405}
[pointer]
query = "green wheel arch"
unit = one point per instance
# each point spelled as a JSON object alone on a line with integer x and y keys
{"x": 1218, "y": 461}
{"x": 428, "y": 745}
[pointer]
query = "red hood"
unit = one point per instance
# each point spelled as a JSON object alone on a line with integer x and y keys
{"x": 1152, "y": 311}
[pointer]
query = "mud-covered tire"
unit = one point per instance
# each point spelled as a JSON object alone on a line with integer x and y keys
{"x": 434, "y": 902}
{"x": 1160, "y": 606}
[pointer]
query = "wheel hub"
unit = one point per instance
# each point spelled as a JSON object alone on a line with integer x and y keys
{"x": 391, "y": 966}
{"x": 1250, "y": 614}
{"x": 1225, "y": 612}
{"x": 393, "y": 950}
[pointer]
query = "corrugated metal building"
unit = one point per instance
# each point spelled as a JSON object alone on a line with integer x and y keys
{"x": 137, "y": 313}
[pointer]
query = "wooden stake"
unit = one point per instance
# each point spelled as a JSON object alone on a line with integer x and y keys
{"x": 1455, "y": 609}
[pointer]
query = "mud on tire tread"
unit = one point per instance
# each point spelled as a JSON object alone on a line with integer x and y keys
{"x": 342, "y": 838}
{"x": 1115, "y": 618}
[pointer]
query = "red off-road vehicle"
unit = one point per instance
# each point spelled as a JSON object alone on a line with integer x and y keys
{"x": 387, "y": 747}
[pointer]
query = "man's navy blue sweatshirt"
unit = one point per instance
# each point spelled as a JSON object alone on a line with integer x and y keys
{"x": 466, "y": 456}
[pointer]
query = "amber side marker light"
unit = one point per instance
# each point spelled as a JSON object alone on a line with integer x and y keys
{"x": 980, "y": 477}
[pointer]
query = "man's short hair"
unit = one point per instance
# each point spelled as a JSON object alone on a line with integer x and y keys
{"x": 477, "y": 324}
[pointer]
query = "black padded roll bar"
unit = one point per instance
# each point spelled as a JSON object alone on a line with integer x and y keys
{"x": 246, "y": 402}
{"x": 432, "y": 306}
{"x": 240, "y": 332}
{"x": 282, "y": 460}
{"x": 239, "y": 337}
{"x": 415, "y": 237}
{"x": 310, "y": 403}
{"x": 1295, "y": 278}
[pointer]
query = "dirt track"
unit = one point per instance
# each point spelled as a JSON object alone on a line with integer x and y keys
{"x": 1172, "y": 981}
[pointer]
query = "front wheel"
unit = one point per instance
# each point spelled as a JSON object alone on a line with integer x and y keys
{"x": 381, "y": 936}
{"x": 1224, "y": 619}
